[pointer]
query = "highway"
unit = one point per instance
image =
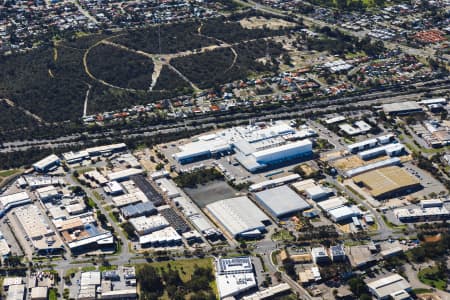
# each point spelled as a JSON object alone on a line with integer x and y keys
{"x": 297, "y": 109}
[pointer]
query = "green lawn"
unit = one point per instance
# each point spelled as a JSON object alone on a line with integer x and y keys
{"x": 91, "y": 203}
{"x": 274, "y": 257}
{"x": 282, "y": 235}
{"x": 422, "y": 291}
{"x": 7, "y": 173}
{"x": 107, "y": 268}
{"x": 88, "y": 269}
{"x": 430, "y": 276}
{"x": 97, "y": 195}
{"x": 188, "y": 266}
{"x": 70, "y": 272}
{"x": 392, "y": 225}
{"x": 113, "y": 217}
{"x": 52, "y": 295}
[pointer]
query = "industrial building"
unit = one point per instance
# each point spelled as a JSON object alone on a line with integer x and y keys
{"x": 359, "y": 127}
{"x": 302, "y": 186}
{"x": 89, "y": 282}
{"x": 387, "y": 182}
{"x": 196, "y": 218}
{"x": 13, "y": 200}
{"x": 335, "y": 120}
{"x": 332, "y": 203}
{"x": 106, "y": 150}
{"x": 318, "y": 192}
{"x": 337, "y": 253}
{"x": 255, "y": 161}
{"x": 5, "y": 250}
{"x": 320, "y": 255}
{"x": 47, "y": 163}
{"x": 402, "y": 108}
{"x": 431, "y": 203}
{"x": 370, "y": 143}
{"x": 239, "y": 216}
{"x": 39, "y": 293}
{"x": 124, "y": 174}
{"x": 389, "y": 149}
{"x": 361, "y": 256}
{"x": 48, "y": 193}
{"x": 128, "y": 199}
{"x": 113, "y": 188}
{"x": 442, "y": 101}
{"x": 256, "y": 146}
{"x": 42, "y": 237}
{"x": 168, "y": 187}
{"x": 145, "y": 225}
{"x": 343, "y": 213}
{"x": 82, "y": 235}
{"x": 34, "y": 182}
{"x": 234, "y": 276}
{"x": 422, "y": 214}
{"x": 393, "y": 161}
{"x": 363, "y": 145}
{"x": 273, "y": 182}
{"x": 270, "y": 292}
{"x": 281, "y": 201}
{"x": 389, "y": 287}
{"x": 75, "y": 157}
{"x": 16, "y": 292}
{"x": 165, "y": 237}
{"x": 309, "y": 276}
{"x": 137, "y": 210}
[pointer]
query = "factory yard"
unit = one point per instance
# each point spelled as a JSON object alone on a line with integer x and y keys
{"x": 248, "y": 188}
{"x": 211, "y": 192}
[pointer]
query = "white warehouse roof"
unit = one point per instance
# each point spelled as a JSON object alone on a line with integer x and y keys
{"x": 388, "y": 285}
{"x": 273, "y": 153}
{"x": 123, "y": 174}
{"x": 238, "y": 215}
{"x": 46, "y": 161}
{"x": 332, "y": 203}
{"x": 281, "y": 201}
{"x": 11, "y": 200}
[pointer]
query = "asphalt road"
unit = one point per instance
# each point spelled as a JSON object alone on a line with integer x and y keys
{"x": 209, "y": 121}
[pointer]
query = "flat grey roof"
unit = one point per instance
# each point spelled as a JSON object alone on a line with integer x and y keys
{"x": 401, "y": 106}
{"x": 238, "y": 215}
{"x": 282, "y": 200}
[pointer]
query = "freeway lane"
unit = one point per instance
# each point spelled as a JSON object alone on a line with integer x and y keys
{"x": 208, "y": 122}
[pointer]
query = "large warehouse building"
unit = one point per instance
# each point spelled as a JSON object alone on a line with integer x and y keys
{"x": 281, "y": 201}
{"x": 263, "y": 158}
{"x": 256, "y": 146}
{"x": 402, "y": 108}
{"x": 388, "y": 182}
{"x": 239, "y": 216}
{"x": 390, "y": 287}
{"x": 47, "y": 163}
